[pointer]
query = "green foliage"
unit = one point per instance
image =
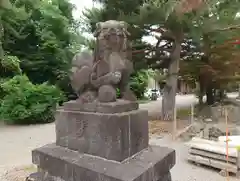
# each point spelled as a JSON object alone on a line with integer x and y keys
{"x": 26, "y": 103}
{"x": 10, "y": 15}
{"x": 51, "y": 41}
{"x": 138, "y": 83}
{"x": 184, "y": 113}
{"x": 44, "y": 36}
{"x": 118, "y": 93}
{"x": 121, "y": 10}
{"x": 10, "y": 66}
{"x": 39, "y": 39}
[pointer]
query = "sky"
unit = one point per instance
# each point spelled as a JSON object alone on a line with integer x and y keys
{"x": 81, "y": 4}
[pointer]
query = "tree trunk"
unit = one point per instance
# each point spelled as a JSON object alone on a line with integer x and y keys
{"x": 200, "y": 92}
{"x": 1, "y": 51}
{"x": 210, "y": 95}
{"x": 221, "y": 94}
{"x": 238, "y": 97}
{"x": 1, "y": 39}
{"x": 170, "y": 89}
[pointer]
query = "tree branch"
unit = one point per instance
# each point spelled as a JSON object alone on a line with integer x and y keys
{"x": 233, "y": 27}
{"x": 11, "y": 30}
{"x": 151, "y": 49}
{"x": 167, "y": 34}
{"x": 157, "y": 30}
{"x": 230, "y": 28}
{"x": 141, "y": 51}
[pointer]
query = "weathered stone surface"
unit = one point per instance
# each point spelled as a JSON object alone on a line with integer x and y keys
{"x": 110, "y": 68}
{"x": 212, "y": 155}
{"x": 45, "y": 176}
{"x": 215, "y": 132}
{"x": 212, "y": 132}
{"x": 213, "y": 163}
{"x": 127, "y": 94}
{"x": 112, "y": 107}
{"x": 152, "y": 164}
{"x": 218, "y": 147}
{"x": 192, "y": 130}
{"x": 112, "y": 136}
{"x": 80, "y": 72}
{"x": 107, "y": 93}
{"x": 216, "y": 113}
{"x": 86, "y": 97}
{"x": 166, "y": 177}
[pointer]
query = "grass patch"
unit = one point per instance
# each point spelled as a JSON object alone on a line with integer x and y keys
{"x": 30, "y": 168}
{"x": 184, "y": 112}
{"x": 159, "y": 127}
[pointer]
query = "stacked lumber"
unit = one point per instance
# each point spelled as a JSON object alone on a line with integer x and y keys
{"x": 213, "y": 154}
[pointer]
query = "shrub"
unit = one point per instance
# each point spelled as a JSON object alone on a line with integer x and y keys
{"x": 64, "y": 84}
{"x": 25, "y": 103}
{"x": 138, "y": 83}
{"x": 10, "y": 66}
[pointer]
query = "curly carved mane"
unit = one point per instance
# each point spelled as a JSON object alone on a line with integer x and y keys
{"x": 111, "y": 36}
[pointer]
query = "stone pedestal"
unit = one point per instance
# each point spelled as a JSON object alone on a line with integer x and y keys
{"x": 102, "y": 142}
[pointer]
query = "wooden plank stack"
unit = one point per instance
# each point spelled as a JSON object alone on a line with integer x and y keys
{"x": 213, "y": 153}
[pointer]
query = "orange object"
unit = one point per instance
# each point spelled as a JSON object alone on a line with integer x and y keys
{"x": 227, "y": 154}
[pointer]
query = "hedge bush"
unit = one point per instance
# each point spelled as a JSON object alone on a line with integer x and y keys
{"x": 10, "y": 66}
{"x": 25, "y": 103}
{"x": 138, "y": 83}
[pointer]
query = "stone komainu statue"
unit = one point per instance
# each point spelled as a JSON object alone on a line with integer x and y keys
{"x": 96, "y": 78}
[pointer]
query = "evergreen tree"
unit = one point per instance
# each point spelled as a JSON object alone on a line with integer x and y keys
{"x": 172, "y": 23}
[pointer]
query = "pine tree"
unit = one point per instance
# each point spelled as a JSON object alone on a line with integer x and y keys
{"x": 10, "y": 14}
{"x": 172, "y": 22}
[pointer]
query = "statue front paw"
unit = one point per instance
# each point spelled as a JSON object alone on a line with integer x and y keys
{"x": 107, "y": 93}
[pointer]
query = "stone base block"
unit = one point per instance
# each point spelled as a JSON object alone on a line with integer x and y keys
{"x": 111, "y": 136}
{"x": 111, "y": 107}
{"x": 44, "y": 176}
{"x": 56, "y": 163}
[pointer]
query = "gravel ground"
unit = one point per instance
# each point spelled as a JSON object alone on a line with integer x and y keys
{"x": 154, "y": 107}
{"x": 185, "y": 171}
{"x": 17, "y": 143}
